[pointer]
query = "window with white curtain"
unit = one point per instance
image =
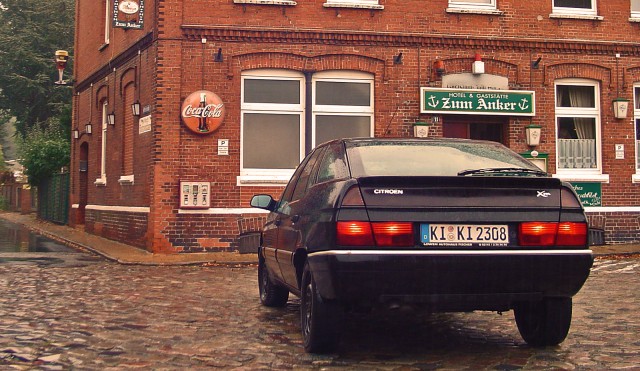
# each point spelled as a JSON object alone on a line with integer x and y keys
{"x": 577, "y": 126}
{"x": 577, "y": 7}
{"x": 472, "y": 4}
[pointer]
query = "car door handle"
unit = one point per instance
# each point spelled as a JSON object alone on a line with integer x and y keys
{"x": 295, "y": 218}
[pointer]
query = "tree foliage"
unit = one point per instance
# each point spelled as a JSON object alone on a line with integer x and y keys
{"x": 30, "y": 33}
{"x": 44, "y": 150}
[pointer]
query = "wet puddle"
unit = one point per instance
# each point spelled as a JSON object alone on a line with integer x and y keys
{"x": 17, "y": 238}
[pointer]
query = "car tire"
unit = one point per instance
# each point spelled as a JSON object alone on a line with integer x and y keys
{"x": 320, "y": 320}
{"x": 271, "y": 295}
{"x": 545, "y": 322}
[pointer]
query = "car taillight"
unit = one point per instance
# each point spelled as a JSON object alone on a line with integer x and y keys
{"x": 354, "y": 234}
{"x": 393, "y": 234}
{"x": 383, "y": 234}
{"x": 572, "y": 234}
{"x": 552, "y": 234}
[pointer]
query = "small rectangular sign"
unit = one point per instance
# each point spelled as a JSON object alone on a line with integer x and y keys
{"x": 223, "y": 147}
{"x": 144, "y": 124}
{"x": 478, "y": 102}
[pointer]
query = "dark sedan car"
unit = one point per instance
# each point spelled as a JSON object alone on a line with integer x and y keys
{"x": 438, "y": 224}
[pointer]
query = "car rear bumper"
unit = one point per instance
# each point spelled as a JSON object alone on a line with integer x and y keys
{"x": 449, "y": 280}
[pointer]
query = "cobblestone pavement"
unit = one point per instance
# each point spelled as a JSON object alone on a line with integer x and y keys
{"x": 73, "y": 311}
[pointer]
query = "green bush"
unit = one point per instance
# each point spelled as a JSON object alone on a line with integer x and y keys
{"x": 44, "y": 151}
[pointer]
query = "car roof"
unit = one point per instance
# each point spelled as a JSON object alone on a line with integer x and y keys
{"x": 410, "y": 140}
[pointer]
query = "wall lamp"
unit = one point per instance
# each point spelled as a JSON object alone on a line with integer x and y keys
{"x": 87, "y": 130}
{"x": 111, "y": 118}
{"x": 535, "y": 64}
{"x": 533, "y": 134}
{"x": 218, "y": 56}
{"x": 135, "y": 108}
{"x": 397, "y": 59}
{"x": 438, "y": 66}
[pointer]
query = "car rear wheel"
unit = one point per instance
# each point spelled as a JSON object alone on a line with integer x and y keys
{"x": 319, "y": 319}
{"x": 545, "y": 322}
{"x": 271, "y": 295}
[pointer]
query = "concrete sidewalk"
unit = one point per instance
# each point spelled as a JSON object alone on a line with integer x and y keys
{"x": 119, "y": 252}
{"x": 126, "y": 254}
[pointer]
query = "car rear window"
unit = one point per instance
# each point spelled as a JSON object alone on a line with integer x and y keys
{"x": 429, "y": 158}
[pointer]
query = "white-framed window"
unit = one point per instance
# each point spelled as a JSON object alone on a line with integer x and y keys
{"x": 102, "y": 180}
{"x": 575, "y": 7}
{"x": 275, "y": 135}
{"x": 342, "y": 105}
{"x": 636, "y": 117}
{"x": 107, "y": 21}
{"x": 473, "y": 4}
{"x": 578, "y": 132}
{"x": 370, "y": 4}
{"x": 635, "y": 8}
{"x": 272, "y": 124}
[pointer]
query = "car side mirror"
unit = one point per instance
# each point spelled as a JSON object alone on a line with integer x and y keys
{"x": 263, "y": 202}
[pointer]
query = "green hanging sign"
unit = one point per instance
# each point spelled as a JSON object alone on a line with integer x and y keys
{"x": 477, "y": 102}
{"x": 590, "y": 194}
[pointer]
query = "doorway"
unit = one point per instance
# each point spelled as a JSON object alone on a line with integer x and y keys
{"x": 493, "y": 128}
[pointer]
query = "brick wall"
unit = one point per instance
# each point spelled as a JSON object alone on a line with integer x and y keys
{"x": 311, "y": 38}
{"x": 127, "y": 227}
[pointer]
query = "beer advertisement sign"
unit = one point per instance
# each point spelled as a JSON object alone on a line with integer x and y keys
{"x": 202, "y": 112}
{"x": 128, "y": 14}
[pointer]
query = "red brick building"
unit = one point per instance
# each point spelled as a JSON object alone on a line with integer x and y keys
{"x": 276, "y": 77}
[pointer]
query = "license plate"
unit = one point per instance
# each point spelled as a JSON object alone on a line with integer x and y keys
{"x": 464, "y": 235}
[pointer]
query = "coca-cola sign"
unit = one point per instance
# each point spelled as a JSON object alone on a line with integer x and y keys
{"x": 203, "y": 112}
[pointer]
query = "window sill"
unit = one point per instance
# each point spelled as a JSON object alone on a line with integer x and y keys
{"x": 266, "y": 2}
{"x": 263, "y": 180}
{"x": 100, "y": 182}
{"x": 635, "y": 19}
{"x": 126, "y": 180}
{"x": 474, "y": 11}
{"x": 347, "y": 4}
{"x": 577, "y": 16}
{"x": 584, "y": 177}
{"x": 635, "y": 178}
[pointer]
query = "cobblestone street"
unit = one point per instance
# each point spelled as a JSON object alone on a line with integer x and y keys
{"x": 80, "y": 312}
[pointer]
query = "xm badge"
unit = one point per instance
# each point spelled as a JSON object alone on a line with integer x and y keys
{"x": 543, "y": 194}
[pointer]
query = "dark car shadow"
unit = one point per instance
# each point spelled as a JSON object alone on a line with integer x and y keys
{"x": 400, "y": 334}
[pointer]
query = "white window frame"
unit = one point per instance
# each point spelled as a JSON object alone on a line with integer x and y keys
{"x": 461, "y": 4}
{"x": 102, "y": 180}
{"x": 107, "y": 21}
{"x": 328, "y": 110}
{"x": 367, "y": 4}
{"x": 563, "y": 10}
{"x": 251, "y": 176}
{"x": 594, "y": 174}
{"x": 636, "y": 117}
{"x": 635, "y": 14}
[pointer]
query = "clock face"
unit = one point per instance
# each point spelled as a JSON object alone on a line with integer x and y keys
{"x": 129, "y": 7}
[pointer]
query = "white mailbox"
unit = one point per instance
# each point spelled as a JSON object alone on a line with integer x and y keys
{"x": 195, "y": 195}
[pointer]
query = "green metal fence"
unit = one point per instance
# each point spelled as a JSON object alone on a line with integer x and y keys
{"x": 53, "y": 199}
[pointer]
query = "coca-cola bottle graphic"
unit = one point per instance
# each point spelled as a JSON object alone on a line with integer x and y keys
{"x": 202, "y": 120}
